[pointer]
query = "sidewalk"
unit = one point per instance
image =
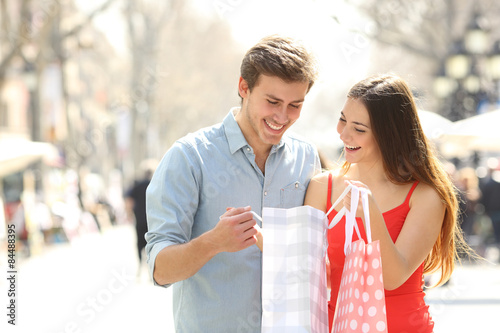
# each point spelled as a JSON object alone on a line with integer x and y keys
{"x": 92, "y": 286}
{"x": 470, "y": 302}
{"x": 89, "y": 286}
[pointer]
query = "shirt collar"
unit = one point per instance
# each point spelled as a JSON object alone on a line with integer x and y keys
{"x": 235, "y": 137}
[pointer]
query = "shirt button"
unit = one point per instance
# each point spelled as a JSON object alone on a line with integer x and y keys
{"x": 248, "y": 148}
{"x": 297, "y": 185}
{"x": 265, "y": 193}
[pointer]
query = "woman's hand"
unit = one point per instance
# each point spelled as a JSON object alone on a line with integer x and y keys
{"x": 347, "y": 198}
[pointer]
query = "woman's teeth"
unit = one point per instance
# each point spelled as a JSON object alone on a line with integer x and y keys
{"x": 274, "y": 127}
{"x": 352, "y": 147}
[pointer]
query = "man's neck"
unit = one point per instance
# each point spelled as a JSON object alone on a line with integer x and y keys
{"x": 260, "y": 149}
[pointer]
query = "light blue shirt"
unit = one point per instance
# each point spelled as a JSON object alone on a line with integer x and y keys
{"x": 198, "y": 178}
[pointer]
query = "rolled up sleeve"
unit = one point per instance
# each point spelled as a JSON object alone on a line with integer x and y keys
{"x": 171, "y": 203}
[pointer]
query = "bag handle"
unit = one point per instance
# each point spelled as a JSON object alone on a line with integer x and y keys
{"x": 366, "y": 211}
{"x": 341, "y": 212}
{"x": 351, "y": 224}
{"x": 351, "y": 216}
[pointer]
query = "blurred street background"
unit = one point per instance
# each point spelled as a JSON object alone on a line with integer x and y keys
{"x": 92, "y": 94}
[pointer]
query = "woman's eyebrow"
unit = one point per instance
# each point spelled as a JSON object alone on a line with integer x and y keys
{"x": 354, "y": 122}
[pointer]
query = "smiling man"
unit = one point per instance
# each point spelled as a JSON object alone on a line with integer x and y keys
{"x": 200, "y": 200}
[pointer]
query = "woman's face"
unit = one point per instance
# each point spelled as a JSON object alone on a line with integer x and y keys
{"x": 355, "y": 131}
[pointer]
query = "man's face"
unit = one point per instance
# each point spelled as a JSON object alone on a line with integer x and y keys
{"x": 269, "y": 110}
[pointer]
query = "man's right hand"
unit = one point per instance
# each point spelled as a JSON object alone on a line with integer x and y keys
{"x": 235, "y": 230}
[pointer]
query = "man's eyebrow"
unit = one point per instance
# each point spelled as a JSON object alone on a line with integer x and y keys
{"x": 280, "y": 100}
{"x": 355, "y": 122}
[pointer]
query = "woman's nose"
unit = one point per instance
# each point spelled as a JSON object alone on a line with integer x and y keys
{"x": 344, "y": 133}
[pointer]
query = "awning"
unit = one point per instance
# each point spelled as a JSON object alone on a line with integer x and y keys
{"x": 17, "y": 154}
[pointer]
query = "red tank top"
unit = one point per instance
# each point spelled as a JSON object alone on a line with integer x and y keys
{"x": 406, "y": 308}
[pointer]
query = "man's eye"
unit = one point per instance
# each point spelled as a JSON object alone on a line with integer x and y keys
{"x": 272, "y": 102}
{"x": 342, "y": 120}
{"x": 295, "y": 106}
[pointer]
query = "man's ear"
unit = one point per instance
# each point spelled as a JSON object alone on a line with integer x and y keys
{"x": 243, "y": 89}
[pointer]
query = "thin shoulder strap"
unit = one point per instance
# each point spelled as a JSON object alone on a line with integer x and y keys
{"x": 408, "y": 196}
{"x": 329, "y": 195}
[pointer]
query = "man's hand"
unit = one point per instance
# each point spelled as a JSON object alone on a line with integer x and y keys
{"x": 235, "y": 231}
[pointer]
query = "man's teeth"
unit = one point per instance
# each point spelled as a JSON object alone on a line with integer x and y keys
{"x": 274, "y": 127}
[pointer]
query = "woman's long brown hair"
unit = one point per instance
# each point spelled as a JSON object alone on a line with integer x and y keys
{"x": 407, "y": 157}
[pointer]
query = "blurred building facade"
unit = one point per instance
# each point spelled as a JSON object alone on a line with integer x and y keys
{"x": 55, "y": 123}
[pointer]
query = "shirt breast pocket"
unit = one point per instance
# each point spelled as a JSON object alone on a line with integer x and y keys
{"x": 293, "y": 195}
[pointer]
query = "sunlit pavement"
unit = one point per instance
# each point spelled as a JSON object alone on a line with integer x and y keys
{"x": 92, "y": 285}
{"x": 470, "y": 302}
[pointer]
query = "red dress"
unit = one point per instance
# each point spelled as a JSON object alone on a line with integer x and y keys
{"x": 406, "y": 308}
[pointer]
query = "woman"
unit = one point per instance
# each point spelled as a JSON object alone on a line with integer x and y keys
{"x": 413, "y": 203}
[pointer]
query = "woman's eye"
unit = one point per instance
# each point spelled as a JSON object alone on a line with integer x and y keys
{"x": 360, "y": 131}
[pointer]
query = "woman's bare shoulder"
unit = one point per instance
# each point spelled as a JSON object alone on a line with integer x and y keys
{"x": 321, "y": 178}
{"x": 317, "y": 191}
{"x": 427, "y": 195}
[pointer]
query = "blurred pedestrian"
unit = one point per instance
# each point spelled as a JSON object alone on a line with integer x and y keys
{"x": 246, "y": 162}
{"x": 491, "y": 199}
{"x": 22, "y": 234}
{"x": 135, "y": 202}
{"x": 468, "y": 184}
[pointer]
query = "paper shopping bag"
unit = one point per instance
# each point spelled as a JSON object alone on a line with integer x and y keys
{"x": 361, "y": 300}
{"x": 294, "y": 290}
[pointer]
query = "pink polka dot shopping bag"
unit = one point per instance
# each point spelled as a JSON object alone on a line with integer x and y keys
{"x": 361, "y": 300}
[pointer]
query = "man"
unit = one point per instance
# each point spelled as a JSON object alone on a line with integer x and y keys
{"x": 195, "y": 239}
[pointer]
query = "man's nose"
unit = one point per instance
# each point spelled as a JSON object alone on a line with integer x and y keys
{"x": 281, "y": 115}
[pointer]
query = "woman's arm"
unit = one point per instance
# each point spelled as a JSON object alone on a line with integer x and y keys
{"x": 416, "y": 239}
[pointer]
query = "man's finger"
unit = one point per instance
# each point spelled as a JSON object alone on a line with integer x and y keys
{"x": 230, "y": 211}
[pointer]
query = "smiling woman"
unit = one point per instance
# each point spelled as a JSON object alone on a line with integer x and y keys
{"x": 412, "y": 201}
